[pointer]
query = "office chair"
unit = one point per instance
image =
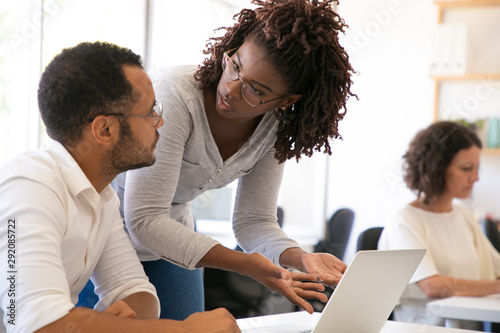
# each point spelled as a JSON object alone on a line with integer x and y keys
{"x": 368, "y": 239}
{"x": 280, "y": 214}
{"x": 241, "y": 295}
{"x": 493, "y": 234}
{"x": 335, "y": 242}
{"x": 491, "y": 230}
{"x": 338, "y": 232}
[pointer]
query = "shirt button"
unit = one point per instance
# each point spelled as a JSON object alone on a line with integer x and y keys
{"x": 219, "y": 170}
{"x": 210, "y": 180}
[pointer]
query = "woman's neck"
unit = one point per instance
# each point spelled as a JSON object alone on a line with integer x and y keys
{"x": 437, "y": 205}
{"x": 229, "y": 134}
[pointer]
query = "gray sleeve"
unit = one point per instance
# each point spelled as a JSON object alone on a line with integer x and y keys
{"x": 149, "y": 192}
{"x": 254, "y": 220}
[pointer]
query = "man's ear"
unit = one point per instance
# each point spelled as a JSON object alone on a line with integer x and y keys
{"x": 105, "y": 130}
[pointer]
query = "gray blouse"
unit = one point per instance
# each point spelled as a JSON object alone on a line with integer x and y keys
{"x": 157, "y": 198}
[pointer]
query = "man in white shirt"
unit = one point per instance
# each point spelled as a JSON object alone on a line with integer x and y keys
{"x": 59, "y": 217}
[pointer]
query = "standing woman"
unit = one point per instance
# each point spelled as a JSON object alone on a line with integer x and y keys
{"x": 441, "y": 165}
{"x": 273, "y": 88}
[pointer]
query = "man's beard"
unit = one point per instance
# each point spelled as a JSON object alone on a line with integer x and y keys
{"x": 128, "y": 153}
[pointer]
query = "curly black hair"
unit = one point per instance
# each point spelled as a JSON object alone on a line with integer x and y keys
{"x": 301, "y": 39}
{"x": 81, "y": 83}
{"x": 431, "y": 152}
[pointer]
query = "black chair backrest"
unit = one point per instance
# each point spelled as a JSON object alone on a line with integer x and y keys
{"x": 368, "y": 239}
{"x": 281, "y": 215}
{"x": 338, "y": 232}
{"x": 492, "y": 232}
{"x": 239, "y": 294}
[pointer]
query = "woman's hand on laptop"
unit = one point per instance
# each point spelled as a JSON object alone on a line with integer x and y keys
{"x": 327, "y": 268}
{"x": 296, "y": 287}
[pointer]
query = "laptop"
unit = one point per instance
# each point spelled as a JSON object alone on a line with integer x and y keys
{"x": 364, "y": 297}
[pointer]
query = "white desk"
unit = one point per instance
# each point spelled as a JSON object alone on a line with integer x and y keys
{"x": 303, "y": 319}
{"x": 485, "y": 308}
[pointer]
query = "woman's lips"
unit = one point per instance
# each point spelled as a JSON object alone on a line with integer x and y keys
{"x": 223, "y": 104}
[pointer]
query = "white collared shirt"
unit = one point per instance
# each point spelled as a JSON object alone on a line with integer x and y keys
{"x": 63, "y": 231}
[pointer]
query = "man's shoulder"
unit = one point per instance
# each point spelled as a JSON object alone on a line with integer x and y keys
{"x": 38, "y": 165}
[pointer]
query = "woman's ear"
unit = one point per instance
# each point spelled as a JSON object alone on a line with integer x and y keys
{"x": 292, "y": 99}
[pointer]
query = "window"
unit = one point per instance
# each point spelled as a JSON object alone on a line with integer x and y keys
{"x": 180, "y": 29}
{"x": 19, "y": 70}
{"x": 165, "y": 33}
{"x": 32, "y": 33}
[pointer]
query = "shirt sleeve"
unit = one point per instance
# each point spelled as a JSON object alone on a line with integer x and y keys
{"x": 495, "y": 255}
{"x": 491, "y": 252}
{"x": 483, "y": 244}
{"x": 119, "y": 273}
{"x": 254, "y": 218}
{"x": 38, "y": 289}
{"x": 403, "y": 231}
{"x": 149, "y": 192}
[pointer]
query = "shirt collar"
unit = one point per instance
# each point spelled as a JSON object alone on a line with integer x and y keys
{"x": 74, "y": 177}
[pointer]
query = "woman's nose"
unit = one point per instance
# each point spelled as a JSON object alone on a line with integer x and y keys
{"x": 475, "y": 176}
{"x": 234, "y": 88}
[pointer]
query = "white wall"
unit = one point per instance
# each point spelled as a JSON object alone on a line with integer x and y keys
{"x": 479, "y": 99}
{"x": 389, "y": 42}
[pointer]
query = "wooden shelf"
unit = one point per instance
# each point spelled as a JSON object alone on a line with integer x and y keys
{"x": 444, "y": 4}
{"x": 467, "y": 77}
{"x": 438, "y": 79}
{"x": 454, "y": 4}
{"x": 491, "y": 151}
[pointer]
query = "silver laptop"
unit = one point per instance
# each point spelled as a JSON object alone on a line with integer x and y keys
{"x": 365, "y": 296}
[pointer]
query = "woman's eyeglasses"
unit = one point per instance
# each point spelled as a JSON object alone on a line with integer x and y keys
{"x": 249, "y": 94}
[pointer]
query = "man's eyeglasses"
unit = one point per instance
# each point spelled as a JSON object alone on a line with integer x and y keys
{"x": 249, "y": 93}
{"x": 155, "y": 114}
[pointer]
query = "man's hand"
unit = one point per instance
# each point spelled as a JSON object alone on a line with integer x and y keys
{"x": 215, "y": 321}
{"x": 121, "y": 309}
{"x": 294, "y": 286}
